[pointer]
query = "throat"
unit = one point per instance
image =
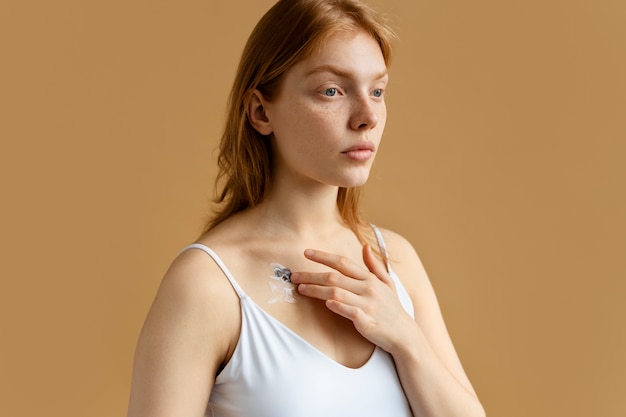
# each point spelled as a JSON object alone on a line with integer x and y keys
{"x": 294, "y": 216}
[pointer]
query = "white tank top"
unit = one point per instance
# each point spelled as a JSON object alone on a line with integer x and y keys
{"x": 274, "y": 372}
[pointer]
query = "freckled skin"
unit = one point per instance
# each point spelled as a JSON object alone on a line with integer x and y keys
{"x": 324, "y": 128}
{"x": 329, "y": 102}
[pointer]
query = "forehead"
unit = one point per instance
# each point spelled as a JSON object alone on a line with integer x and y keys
{"x": 347, "y": 53}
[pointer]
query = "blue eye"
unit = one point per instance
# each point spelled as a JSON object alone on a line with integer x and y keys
{"x": 378, "y": 93}
{"x": 330, "y": 92}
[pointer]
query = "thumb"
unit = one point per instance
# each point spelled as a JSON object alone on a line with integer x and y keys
{"x": 375, "y": 265}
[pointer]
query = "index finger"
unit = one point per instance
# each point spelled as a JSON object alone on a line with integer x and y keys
{"x": 337, "y": 262}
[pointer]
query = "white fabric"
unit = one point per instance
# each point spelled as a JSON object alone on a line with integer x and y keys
{"x": 405, "y": 300}
{"x": 275, "y": 373}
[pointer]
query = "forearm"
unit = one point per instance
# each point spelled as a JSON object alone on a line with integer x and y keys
{"x": 431, "y": 388}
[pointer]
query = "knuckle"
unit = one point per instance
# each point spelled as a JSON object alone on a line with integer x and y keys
{"x": 342, "y": 262}
{"x": 369, "y": 291}
{"x": 335, "y": 293}
{"x": 331, "y": 278}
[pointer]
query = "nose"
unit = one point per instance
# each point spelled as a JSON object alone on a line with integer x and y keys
{"x": 364, "y": 113}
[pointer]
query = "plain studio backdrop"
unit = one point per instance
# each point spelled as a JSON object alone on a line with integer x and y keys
{"x": 504, "y": 163}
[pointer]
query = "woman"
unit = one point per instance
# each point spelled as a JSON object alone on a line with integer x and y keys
{"x": 289, "y": 304}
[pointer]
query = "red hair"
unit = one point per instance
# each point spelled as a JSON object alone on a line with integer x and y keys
{"x": 288, "y": 33}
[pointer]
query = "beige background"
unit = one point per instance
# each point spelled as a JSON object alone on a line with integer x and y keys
{"x": 503, "y": 162}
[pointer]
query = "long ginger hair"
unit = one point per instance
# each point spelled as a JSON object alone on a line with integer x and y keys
{"x": 288, "y": 33}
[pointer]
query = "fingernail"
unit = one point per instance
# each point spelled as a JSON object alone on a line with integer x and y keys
{"x": 309, "y": 252}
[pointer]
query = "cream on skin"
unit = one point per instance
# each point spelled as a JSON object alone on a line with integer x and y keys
{"x": 327, "y": 123}
{"x": 325, "y": 127}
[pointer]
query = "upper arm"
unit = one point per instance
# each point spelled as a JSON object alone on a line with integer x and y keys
{"x": 183, "y": 343}
{"x": 409, "y": 268}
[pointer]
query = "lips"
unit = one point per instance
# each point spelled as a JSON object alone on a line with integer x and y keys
{"x": 361, "y": 151}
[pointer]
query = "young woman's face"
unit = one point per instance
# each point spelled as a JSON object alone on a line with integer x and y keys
{"x": 329, "y": 115}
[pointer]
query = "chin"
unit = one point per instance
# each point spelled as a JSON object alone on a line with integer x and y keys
{"x": 354, "y": 182}
{"x": 347, "y": 178}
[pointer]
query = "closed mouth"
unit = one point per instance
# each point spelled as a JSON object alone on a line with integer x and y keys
{"x": 363, "y": 146}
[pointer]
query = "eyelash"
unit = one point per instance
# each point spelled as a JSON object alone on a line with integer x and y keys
{"x": 378, "y": 93}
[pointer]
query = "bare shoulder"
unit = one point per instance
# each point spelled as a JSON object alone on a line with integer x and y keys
{"x": 195, "y": 290}
{"x": 194, "y": 276}
{"x": 408, "y": 266}
{"x": 405, "y": 262}
{"x": 398, "y": 243}
{"x": 188, "y": 334}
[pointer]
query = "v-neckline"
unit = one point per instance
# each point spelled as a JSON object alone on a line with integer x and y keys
{"x": 247, "y": 299}
{"x": 243, "y": 297}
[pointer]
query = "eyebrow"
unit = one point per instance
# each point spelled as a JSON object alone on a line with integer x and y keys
{"x": 341, "y": 72}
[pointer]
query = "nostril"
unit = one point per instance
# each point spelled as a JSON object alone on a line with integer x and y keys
{"x": 364, "y": 115}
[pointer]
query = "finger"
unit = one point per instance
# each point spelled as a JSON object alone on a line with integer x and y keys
{"x": 336, "y": 262}
{"x": 347, "y": 311}
{"x": 375, "y": 265}
{"x": 326, "y": 293}
{"x": 326, "y": 279}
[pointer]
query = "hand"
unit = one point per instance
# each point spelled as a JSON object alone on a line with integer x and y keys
{"x": 367, "y": 297}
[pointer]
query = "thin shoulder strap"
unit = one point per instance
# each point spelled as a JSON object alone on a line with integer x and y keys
{"x": 382, "y": 246}
{"x": 403, "y": 295}
{"x": 219, "y": 263}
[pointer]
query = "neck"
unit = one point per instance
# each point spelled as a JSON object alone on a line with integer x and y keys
{"x": 300, "y": 213}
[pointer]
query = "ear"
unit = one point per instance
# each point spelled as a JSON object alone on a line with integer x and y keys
{"x": 257, "y": 115}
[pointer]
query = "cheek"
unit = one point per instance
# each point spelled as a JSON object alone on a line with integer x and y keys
{"x": 382, "y": 119}
{"x": 383, "y": 112}
{"x": 327, "y": 121}
{"x": 331, "y": 117}
{"x": 307, "y": 128}
{"x": 318, "y": 124}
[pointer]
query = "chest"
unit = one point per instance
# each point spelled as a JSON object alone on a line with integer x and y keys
{"x": 274, "y": 372}
{"x": 261, "y": 278}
